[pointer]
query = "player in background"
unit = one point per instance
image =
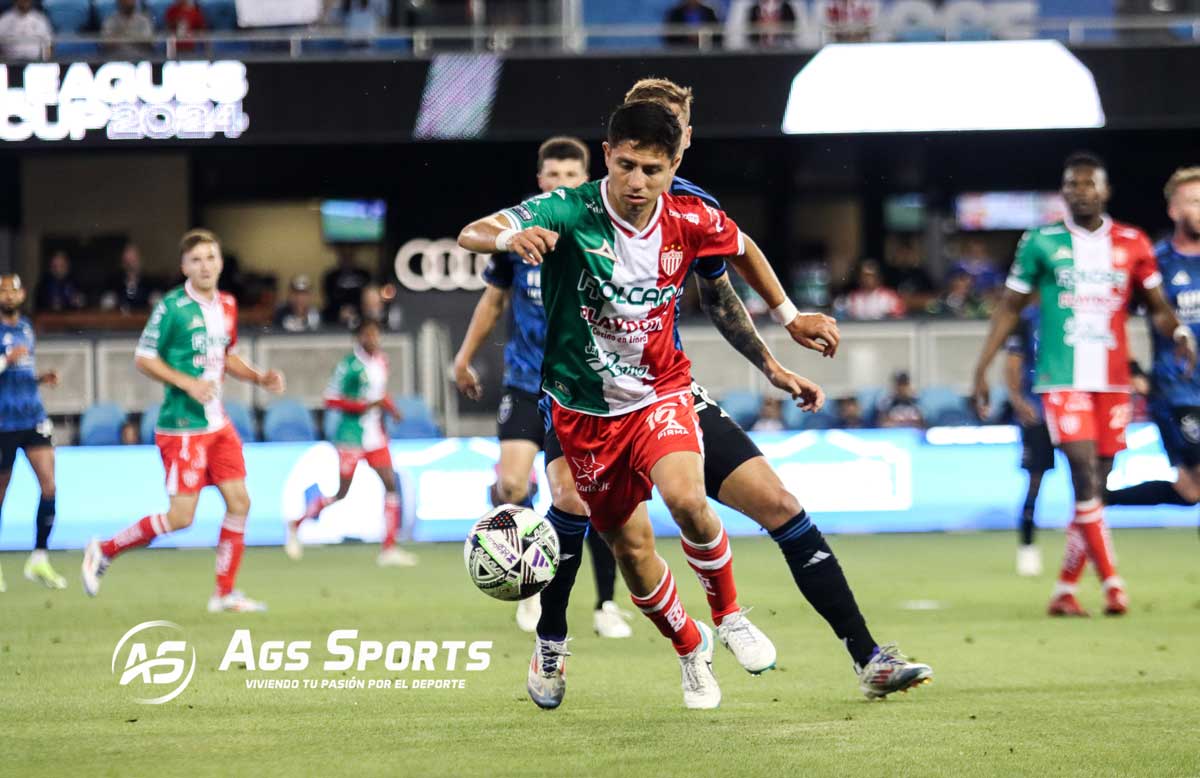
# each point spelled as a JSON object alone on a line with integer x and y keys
{"x": 187, "y": 346}
{"x": 1175, "y": 389}
{"x": 616, "y": 254}
{"x": 358, "y": 390}
{"x": 1086, "y": 269}
{"x": 24, "y": 424}
{"x": 736, "y": 473}
{"x": 1037, "y": 452}
{"x": 562, "y": 162}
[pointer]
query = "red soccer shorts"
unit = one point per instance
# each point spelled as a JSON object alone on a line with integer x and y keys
{"x": 1098, "y": 416}
{"x": 611, "y": 456}
{"x": 348, "y": 459}
{"x": 196, "y": 460}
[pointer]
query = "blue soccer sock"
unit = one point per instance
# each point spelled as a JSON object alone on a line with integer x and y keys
{"x": 571, "y": 529}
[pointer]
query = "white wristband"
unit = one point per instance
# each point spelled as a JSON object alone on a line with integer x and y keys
{"x": 503, "y": 239}
{"x": 1183, "y": 331}
{"x": 784, "y": 312}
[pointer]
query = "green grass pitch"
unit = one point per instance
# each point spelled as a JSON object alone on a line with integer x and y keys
{"x": 1015, "y": 693}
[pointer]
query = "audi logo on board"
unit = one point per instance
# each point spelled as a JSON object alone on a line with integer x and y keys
{"x": 423, "y": 265}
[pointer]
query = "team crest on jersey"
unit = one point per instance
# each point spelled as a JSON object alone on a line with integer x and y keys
{"x": 672, "y": 258}
{"x": 1062, "y": 253}
{"x": 197, "y": 323}
{"x": 1181, "y": 278}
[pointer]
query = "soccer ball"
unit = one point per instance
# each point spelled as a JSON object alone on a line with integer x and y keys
{"x": 511, "y": 553}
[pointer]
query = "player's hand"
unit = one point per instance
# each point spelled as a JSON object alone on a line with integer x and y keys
{"x": 981, "y": 395}
{"x": 1140, "y": 384}
{"x": 533, "y": 243}
{"x": 809, "y": 397}
{"x": 1026, "y": 414}
{"x": 201, "y": 391}
{"x": 1185, "y": 350}
{"x": 273, "y": 381}
{"x": 815, "y": 331}
{"x": 16, "y": 353}
{"x": 467, "y": 380}
{"x": 49, "y": 378}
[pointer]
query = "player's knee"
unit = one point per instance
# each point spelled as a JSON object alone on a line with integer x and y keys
{"x": 512, "y": 489}
{"x": 180, "y": 519}
{"x": 688, "y": 505}
{"x": 238, "y": 505}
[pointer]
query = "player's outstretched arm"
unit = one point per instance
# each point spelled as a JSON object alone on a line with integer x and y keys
{"x": 198, "y": 389}
{"x": 492, "y": 235}
{"x": 488, "y": 311}
{"x": 1164, "y": 319}
{"x": 1005, "y": 319}
{"x": 271, "y": 380}
{"x": 814, "y": 331}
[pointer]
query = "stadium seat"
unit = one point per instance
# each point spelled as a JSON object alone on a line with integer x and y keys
{"x": 104, "y": 9}
{"x": 919, "y": 35}
{"x": 157, "y": 9}
{"x": 868, "y": 401}
{"x": 936, "y": 401}
{"x": 953, "y": 417}
{"x": 796, "y": 419}
{"x": 820, "y": 421}
{"x": 329, "y": 424}
{"x": 221, "y": 14}
{"x": 243, "y": 421}
{"x": 67, "y": 17}
{"x": 742, "y": 406}
{"x": 287, "y": 421}
{"x": 417, "y": 422}
{"x": 602, "y": 12}
{"x": 149, "y": 420}
{"x": 101, "y": 425}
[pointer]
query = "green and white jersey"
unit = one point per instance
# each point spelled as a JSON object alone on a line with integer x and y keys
{"x": 1085, "y": 280}
{"x": 609, "y": 293}
{"x": 193, "y": 337}
{"x": 359, "y": 380}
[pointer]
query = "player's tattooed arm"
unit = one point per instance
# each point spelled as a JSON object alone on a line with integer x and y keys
{"x": 729, "y": 316}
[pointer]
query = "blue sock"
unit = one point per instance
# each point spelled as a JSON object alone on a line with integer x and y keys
{"x": 571, "y": 529}
{"x": 45, "y": 522}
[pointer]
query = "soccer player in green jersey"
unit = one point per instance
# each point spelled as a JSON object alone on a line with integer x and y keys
{"x": 188, "y": 346}
{"x": 358, "y": 391}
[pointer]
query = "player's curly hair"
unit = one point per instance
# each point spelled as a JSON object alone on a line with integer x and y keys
{"x": 193, "y": 238}
{"x": 661, "y": 90}
{"x": 1184, "y": 175}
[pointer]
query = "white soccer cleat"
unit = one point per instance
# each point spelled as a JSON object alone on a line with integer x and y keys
{"x": 890, "y": 671}
{"x": 291, "y": 544}
{"x": 529, "y": 612}
{"x": 39, "y": 570}
{"x": 1029, "y": 561}
{"x": 609, "y": 621}
{"x": 234, "y": 602}
{"x": 753, "y": 650}
{"x": 95, "y": 564}
{"x": 700, "y": 688}
{"x": 396, "y": 557}
{"x": 547, "y": 679}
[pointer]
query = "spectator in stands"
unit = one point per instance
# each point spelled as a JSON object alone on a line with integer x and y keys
{"x": 977, "y": 260}
{"x": 905, "y": 272}
{"x": 849, "y": 413}
{"x": 694, "y": 13}
{"x": 959, "y": 301}
{"x": 773, "y": 22}
{"x": 184, "y": 19}
{"x": 130, "y": 434}
{"x": 900, "y": 409}
{"x": 364, "y": 18}
{"x": 129, "y": 290}
{"x": 378, "y": 304}
{"x": 298, "y": 314}
{"x": 770, "y": 416}
{"x": 25, "y": 32}
{"x": 870, "y": 300}
{"x": 57, "y": 291}
{"x": 343, "y": 287}
{"x": 128, "y": 32}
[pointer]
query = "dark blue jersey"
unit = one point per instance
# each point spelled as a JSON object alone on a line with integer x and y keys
{"x": 527, "y": 341}
{"x": 1181, "y": 286}
{"x": 706, "y": 267}
{"x": 1024, "y": 342}
{"x": 20, "y": 406}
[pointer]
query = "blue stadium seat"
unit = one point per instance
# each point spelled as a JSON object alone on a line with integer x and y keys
{"x": 75, "y": 50}
{"x": 600, "y": 12}
{"x": 67, "y": 17}
{"x": 953, "y": 417}
{"x": 868, "y": 401}
{"x": 221, "y": 14}
{"x": 158, "y": 11}
{"x": 919, "y": 35}
{"x": 742, "y": 406}
{"x": 243, "y": 421}
{"x": 796, "y": 419}
{"x": 149, "y": 420}
{"x": 101, "y": 425}
{"x": 104, "y": 9}
{"x": 820, "y": 421}
{"x": 287, "y": 421}
{"x": 329, "y": 424}
{"x": 417, "y": 422}
{"x": 936, "y": 401}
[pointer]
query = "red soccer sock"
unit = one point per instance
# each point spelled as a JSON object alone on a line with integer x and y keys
{"x": 662, "y": 606}
{"x": 1100, "y": 548}
{"x": 136, "y": 535}
{"x": 1076, "y": 555}
{"x": 391, "y": 519}
{"x": 713, "y": 563}
{"x": 230, "y": 546}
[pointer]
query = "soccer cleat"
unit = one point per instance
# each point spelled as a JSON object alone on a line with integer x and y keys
{"x": 38, "y": 570}
{"x": 609, "y": 621}
{"x": 291, "y": 544}
{"x": 529, "y": 612}
{"x": 234, "y": 602}
{"x": 1065, "y": 604}
{"x": 700, "y": 688}
{"x": 547, "y": 679}
{"x": 890, "y": 671}
{"x": 95, "y": 565}
{"x": 396, "y": 557}
{"x": 1116, "y": 602}
{"x": 753, "y": 650}
{"x": 1029, "y": 561}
